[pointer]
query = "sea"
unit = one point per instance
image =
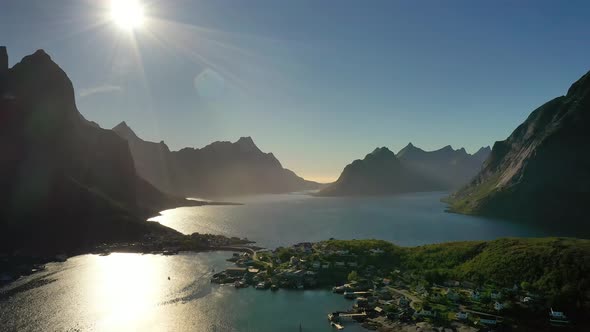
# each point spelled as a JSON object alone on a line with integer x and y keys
{"x": 144, "y": 292}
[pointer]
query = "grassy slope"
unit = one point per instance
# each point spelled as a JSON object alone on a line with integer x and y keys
{"x": 467, "y": 202}
{"x": 555, "y": 266}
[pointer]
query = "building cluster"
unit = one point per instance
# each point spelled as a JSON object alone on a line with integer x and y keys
{"x": 382, "y": 295}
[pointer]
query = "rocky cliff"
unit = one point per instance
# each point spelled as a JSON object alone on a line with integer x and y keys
{"x": 66, "y": 183}
{"x": 541, "y": 172}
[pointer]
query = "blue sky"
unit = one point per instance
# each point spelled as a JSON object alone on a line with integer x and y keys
{"x": 318, "y": 83}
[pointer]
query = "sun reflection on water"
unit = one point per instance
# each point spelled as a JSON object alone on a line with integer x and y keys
{"x": 125, "y": 289}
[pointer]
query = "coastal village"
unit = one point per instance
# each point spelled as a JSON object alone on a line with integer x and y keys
{"x": 390, "y": 299}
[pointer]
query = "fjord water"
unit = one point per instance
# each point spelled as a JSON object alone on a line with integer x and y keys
{"x": 279, "y": 220}
{"x": 131, "y": 292}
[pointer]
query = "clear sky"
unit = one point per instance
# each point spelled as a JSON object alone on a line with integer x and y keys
{"x": 318, "y": 83}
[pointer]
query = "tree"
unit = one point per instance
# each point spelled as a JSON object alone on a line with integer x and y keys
{"x": 353, "y": 276}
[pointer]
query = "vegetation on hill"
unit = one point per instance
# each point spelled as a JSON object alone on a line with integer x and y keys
{"x": 556, "y": 267}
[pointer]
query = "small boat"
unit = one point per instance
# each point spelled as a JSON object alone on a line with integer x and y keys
{"x": 261, "y": 285}
{"x": 168, "y": 277}
{"x": 337, "y": 326}
{"x": 274, "y": 288}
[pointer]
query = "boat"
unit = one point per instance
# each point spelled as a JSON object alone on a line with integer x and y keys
{"x": 261, "y": 285}
{"x": 349, "y": 295}
{"x": 337, "y": 326}
{"x": 274, "y": 288}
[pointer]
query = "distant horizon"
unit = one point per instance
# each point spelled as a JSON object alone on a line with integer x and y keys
{"x": 318, "y": 95}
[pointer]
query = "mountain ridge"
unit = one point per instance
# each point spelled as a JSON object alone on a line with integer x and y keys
{"x": 541, "y": 172}
{"x": 221, "y": 168}
{"x": 66, "y": 183}
{"x": 379, "y": 173}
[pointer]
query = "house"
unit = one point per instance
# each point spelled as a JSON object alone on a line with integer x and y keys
{"x": 462, "y": 315}
{"x": 378, "y": 310}
{"x": 452, "y": 295}
{"x": 452, "y": 283}
{"x": 403, "y": 301}
{"x": 386, "y": 281}
{"x": 326, "y": 266}
{"x": 558, "y": 315}
{"x": 339, "y": 264}
{"x": 488, "y": 320}
{"x": 475, "y": 295}
{"x": 342, "y": 252}
{"x": 352, "y": 264}
{"x": 496, "y": 295}
{"x": 377, "y": 251}
{"x": 426, "y": 311}
{"x": 498, "y": 306}
{"x": 235, "y": 271}
{"x": 294, "y": 260}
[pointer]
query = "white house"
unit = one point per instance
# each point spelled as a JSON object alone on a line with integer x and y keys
{"x": 498, "y": 306}
{"x": 377, "y": 251}
{"x": 326, "y": 266}
{"x": 339, "y": 264}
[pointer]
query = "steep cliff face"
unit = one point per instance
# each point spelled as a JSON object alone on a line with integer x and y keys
{"x": 541, "y": 173}
{"x": 218, "y": 169}
{"x": 65, "y": 182}
{"x": 452, "y": 168}
{"x": 379, "y": 173}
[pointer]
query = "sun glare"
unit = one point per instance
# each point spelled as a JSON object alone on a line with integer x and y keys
{"x": 128, "y": 14}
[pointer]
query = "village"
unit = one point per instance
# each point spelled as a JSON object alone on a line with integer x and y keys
{"x": 387, "y": 299}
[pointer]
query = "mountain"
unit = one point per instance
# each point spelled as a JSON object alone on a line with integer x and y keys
{"x": 482, "y": 154}
{"x": 218, "y": 169}
{"x": 452, "y": 168}
{"x": 65, "y": 182}
{"x": 379, "y": 173}
{"x": 541, "y": 172}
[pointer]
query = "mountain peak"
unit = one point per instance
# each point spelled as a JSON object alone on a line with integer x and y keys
{"x": 381, "y": 151}
{"x": 124, "y": 130}
{"x": 246, "y": 143}
{"x": 3, "y": 59}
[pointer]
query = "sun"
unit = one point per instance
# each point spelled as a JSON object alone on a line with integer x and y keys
{"x": 128, "y": 14}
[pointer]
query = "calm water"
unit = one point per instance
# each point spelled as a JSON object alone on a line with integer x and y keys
{"x": 131, "y": 292}
{"x": 278, "y": 220}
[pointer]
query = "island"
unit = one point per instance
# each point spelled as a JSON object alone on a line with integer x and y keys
{"x": 511, "y": 283}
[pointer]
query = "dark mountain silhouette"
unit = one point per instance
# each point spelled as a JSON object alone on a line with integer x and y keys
{"x": 541, "y": 173}
{"x": 452, "y": 168}
{"x": 218, "y": 169}
{"x": 482, "y": 154}
{"x": 65, "y": 182}
{"x": 379, "y": 173}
